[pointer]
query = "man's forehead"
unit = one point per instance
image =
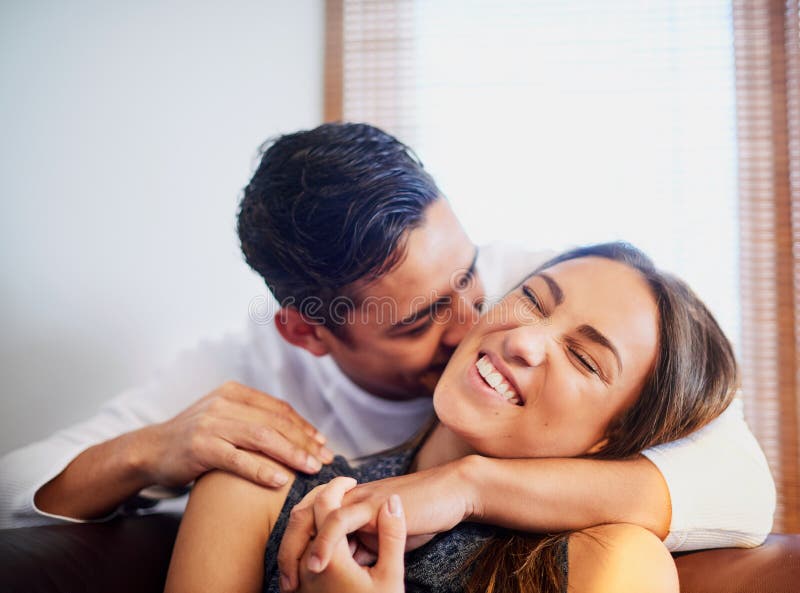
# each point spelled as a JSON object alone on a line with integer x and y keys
{"x": 437, "y": 254}
{"x": 400, "y": 299}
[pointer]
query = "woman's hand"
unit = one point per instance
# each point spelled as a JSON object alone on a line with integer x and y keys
{"x": 343, "y": 572}
{"x": 435, "y": 500}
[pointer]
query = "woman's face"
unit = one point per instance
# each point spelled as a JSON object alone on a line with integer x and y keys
{"x": 546, "y": 370}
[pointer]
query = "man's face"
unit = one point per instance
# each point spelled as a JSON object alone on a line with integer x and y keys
{"x": 406, "y": 324}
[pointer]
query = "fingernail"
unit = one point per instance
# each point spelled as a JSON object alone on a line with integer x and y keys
{"x": 313, "y": 464}
{"x": 327, "y": 454}
{"x": 395, "y": 506}
{"x": 280, "y": 479}
{"x": 320, "y": 438}
{"x": 286, "y": 584}
{"x": 314, "y": 563}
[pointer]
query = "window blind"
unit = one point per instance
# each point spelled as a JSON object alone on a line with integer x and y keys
{"x": 767, "y": 55}
{"x": 370, "y": 64}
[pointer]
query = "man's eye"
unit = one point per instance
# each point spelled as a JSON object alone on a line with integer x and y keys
{"x": 464, "y": 280}
{"x": 419, "y": 330}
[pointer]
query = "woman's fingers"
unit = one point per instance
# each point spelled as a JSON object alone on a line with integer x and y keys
{"x": 337, "y": 525}
{"x": 391, "y": 541}
{"x": 330, "y": 497}
{"x": 299, "y": 531}
{"x": 302, "y": 526}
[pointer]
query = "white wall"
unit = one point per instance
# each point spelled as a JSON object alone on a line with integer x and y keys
{"x": 128, "y": 130}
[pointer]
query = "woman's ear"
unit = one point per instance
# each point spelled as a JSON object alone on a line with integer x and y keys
{"x": 299, "y": 332}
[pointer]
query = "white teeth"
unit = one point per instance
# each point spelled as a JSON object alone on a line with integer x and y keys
{"x": 496, "y": 380}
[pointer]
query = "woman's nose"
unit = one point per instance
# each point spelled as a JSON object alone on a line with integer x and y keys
{"x": 526, "y": 345}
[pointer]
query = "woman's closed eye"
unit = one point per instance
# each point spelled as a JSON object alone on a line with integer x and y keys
{"x": 533, "y": 300}
{"x": 585, "y": 362}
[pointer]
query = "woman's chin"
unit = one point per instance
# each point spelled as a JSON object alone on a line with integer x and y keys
{"x": 439, "y": 397}
{"x": 446, "y": 403}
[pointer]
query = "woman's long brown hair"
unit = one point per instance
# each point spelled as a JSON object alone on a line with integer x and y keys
{"x": 692, "y": 382}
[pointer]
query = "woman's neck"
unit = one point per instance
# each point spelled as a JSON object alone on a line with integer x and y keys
{"x": 441, "y": 446}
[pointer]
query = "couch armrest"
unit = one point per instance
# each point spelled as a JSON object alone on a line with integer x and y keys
{"x": 773, "y": 567}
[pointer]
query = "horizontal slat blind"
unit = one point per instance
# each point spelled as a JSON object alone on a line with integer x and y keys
{"x": 768, "y": 122}
{"x": 376, "y": 60}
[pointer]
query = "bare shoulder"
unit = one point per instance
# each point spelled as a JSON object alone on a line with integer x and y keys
{"x": 221, "y": 494}
{"x": 221, "y": 541}
{"x": 620, "y": 558}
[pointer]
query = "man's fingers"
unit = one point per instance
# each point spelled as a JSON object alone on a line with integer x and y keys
{"x": 238, "y": 410}
{"x": 250, "y": 466}
{"x": 391, "y": 540}
{"x": 259, "y": 399}
{"x": 337, "y": 525}
{"x": 272, "y": 442}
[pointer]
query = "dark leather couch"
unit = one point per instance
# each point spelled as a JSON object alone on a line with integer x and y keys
{"x": 132, "y": 555}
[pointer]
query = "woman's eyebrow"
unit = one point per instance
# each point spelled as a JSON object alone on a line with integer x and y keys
{"x": 555, "y": 289}
{"x": 592, "y": 334}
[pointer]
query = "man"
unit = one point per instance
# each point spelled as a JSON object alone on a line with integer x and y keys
{"x": 377, "y": 284}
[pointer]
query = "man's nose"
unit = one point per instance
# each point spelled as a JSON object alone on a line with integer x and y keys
{"x": 464, "y": 316}
{"x": 526, "y": 345}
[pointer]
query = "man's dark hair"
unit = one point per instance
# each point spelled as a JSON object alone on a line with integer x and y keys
{"x": 328, "y": 207}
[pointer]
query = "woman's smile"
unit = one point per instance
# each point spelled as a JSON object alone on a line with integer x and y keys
{"x": 498, "y": 379}
{"x": 485, "y": 391}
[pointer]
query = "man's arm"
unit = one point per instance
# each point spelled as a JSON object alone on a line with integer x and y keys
{"x": 234, "y": 428}
{"x": 549, "y": 495}
{"x": 721, "y": 488}
{"x": 154, "y": 435}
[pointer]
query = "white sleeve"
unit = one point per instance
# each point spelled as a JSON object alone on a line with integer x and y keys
{"x": 722, "y": 492}
{"x": 192, "y": 375}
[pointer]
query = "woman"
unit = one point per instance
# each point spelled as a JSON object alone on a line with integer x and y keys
{"x": 597, "y": 353}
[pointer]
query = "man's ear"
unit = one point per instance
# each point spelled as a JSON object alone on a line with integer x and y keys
{"x": 299, "y": 332}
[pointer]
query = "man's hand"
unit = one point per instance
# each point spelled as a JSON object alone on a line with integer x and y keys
{"x": 435, "y": 500}
{"x": 344, "y": 572}
{"x": 236, "y": 429}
